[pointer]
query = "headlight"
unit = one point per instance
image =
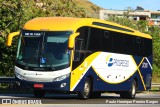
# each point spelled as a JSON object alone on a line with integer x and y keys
{"x": 61, "y": 77}
{"x": 20, "y": 76}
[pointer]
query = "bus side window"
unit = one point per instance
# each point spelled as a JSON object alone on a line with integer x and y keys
{"x": 117, "y": 42}
{"x": 106, "y": 41}
{"x": 78, "y": 49}
{"x": 106, "y": 35}
{"x": 94, "y": 40}
{"x": 128, "y": 44}
{"x": 147, "y": 47}
{"x": 138, "y": 46}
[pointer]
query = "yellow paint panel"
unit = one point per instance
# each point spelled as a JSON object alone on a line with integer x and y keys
{"x": 55, "y": 24}
{"x": 72, "y": 24}
{"x": 80, "y": 71}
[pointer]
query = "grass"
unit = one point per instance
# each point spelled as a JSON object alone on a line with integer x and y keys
{"x": 155, "y": 89}
{"x": 4, "y": 86}
{"x": 10, "y": 89}
{"x": 14, "y": 91}
{"x": 156, "y": 78}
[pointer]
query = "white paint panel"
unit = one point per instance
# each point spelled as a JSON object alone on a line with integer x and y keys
{"x": 114, "y": 68}
{"x": 39, "y": 75}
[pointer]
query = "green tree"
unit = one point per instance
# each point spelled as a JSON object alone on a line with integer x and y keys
{"x": 155, "y": 32}
{"x": 15, "y": 13}
{"x": 8, "y": 22}
{"x": 123, "y": 21}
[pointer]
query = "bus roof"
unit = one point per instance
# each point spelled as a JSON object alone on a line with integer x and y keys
{"x": 72, "y": 24}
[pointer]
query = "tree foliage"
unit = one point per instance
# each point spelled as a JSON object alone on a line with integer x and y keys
{"x": 137, "y": 25}
{"x": 155, "y": 32}
{"x": 13, "y": 15}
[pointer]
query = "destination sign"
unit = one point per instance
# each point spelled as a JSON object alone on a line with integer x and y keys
{"x": 32, "y": 34}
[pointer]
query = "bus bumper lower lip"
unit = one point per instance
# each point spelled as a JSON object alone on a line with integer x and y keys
{"x": 57, "y": 85}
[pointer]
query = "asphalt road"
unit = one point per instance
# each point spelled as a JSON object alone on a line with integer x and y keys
{"x": 59, "y": 100}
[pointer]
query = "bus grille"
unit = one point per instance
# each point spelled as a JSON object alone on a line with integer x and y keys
{"x": 39, "y": 79}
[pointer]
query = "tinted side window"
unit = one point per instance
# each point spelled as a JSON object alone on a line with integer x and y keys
{"x": 138, "y": 46}
{"x": 147, "y": 47}
{"x": 94, "y": 40}
{"x": 106, "y": 41}
{"x": 117, "y": 42}
{"x": 128, "y": 44}
{"x": 78, "y": 51}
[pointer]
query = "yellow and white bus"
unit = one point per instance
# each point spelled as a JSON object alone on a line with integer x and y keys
{"x": 82, "y": 55}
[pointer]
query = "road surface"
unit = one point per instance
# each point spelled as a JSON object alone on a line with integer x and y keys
{"x": 59, "y": 100}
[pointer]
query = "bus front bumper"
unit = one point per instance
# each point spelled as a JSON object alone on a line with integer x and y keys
{"x": 50, "y": 86}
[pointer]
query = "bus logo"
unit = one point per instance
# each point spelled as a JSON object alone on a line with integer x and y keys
{"x": 110, "y": 62}
{"x": 116, "y": 62}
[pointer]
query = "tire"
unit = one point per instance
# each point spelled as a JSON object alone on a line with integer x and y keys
{"x": 130, "y": 94}
{"x": 123, "y": 94}
{"x": 95, "y": 94}
{"x": 39, "y": 93}
{"x": 86, "y": 92}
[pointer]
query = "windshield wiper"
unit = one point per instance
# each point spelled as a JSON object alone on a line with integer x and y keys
{"x": 53, "y": 68}
{"x": 37, "y": 51}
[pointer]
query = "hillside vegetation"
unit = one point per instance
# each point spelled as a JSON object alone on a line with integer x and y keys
{"x": 91, "y": 9}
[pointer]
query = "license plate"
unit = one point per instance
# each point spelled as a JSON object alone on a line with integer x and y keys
{"x": 38, "y": 86}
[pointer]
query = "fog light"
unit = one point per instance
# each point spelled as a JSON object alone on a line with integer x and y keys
{"x": 18, "y": 83}
{"x": 63, "y": 85}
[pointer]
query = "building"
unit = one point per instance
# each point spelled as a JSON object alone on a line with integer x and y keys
{"x": 153, "y": 17}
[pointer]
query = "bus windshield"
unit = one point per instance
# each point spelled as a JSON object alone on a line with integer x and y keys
{"x": 43, "y": 51}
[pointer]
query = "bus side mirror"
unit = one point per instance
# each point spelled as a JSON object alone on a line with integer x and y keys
{"x": 72, "y": 40}
{"x": 10, "y": 37}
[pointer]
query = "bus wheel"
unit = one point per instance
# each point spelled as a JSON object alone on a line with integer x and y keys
{"x": 39, "y": 93}
{"x": 85, "y": 93}
{"x": 95, "y": 94}
{"x": 130, "y": 94}
{"x": 123, "y": 94}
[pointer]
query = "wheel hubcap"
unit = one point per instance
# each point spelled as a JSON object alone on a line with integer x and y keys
{"x": 133, "y": 89}
{"x": 86, "y": 89}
